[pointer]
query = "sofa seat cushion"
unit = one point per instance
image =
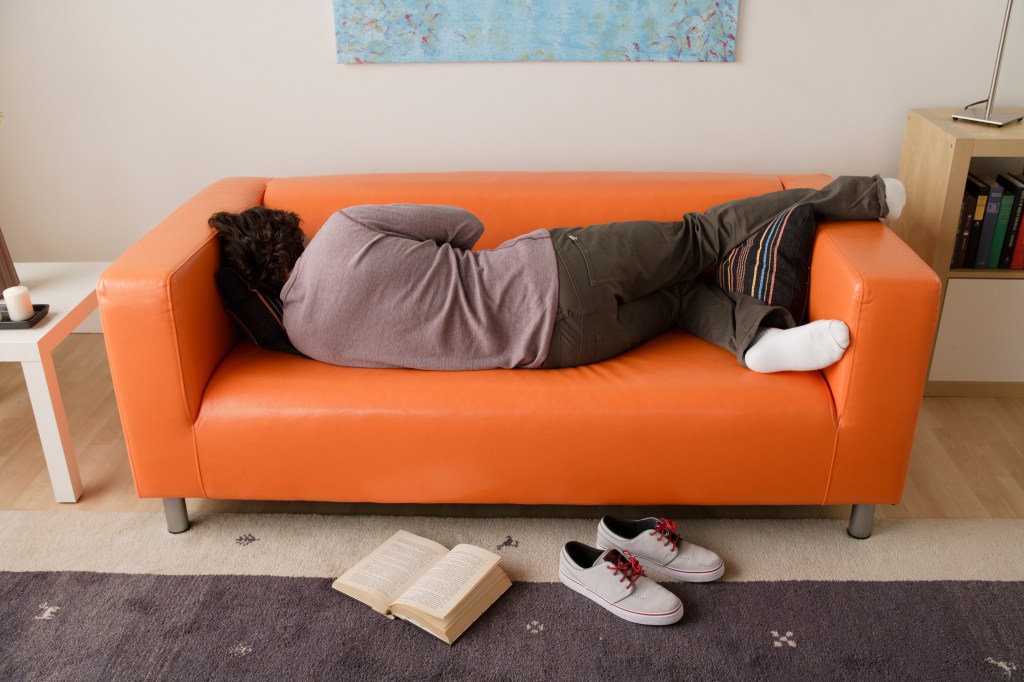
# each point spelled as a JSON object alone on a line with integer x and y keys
{"x": 646, "y": 426}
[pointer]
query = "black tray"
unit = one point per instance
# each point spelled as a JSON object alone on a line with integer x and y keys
{"x": 6, "y": 323}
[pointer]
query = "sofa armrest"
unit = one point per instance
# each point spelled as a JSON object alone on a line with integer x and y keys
{"x": 166, "y": 331}
{"x": 862, "y": 273}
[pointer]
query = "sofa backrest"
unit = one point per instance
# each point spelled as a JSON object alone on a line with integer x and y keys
{"x": 510, "y": 204}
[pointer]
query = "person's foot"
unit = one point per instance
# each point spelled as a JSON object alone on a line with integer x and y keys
{"x": 895, "y": 197}
{"x": 615, "y": 581}
{"x": 812, "y": 346}
{"x": 658, "y": 547}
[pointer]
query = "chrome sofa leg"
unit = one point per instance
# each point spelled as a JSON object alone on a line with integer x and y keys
{"x": 176, "y": 514}
{"x": 861, "y": 519}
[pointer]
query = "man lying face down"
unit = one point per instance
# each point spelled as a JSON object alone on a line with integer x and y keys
{"x": 398, "y": 286}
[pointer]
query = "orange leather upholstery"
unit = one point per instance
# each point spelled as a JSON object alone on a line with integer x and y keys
{"x": 676, "y": 421}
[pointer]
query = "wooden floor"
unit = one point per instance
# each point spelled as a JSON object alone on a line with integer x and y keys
{"x": 968, "y": 458}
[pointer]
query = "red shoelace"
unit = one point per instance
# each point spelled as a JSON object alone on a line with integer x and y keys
{"x": 629, "y": 565}
{"x": 666, "y": 531}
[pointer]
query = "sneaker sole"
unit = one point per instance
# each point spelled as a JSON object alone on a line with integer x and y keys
{"x": 708, "y": 576}
{"x": 625, "y": 614}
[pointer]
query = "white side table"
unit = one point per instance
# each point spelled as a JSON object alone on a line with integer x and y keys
{"x": 70, "y": 291}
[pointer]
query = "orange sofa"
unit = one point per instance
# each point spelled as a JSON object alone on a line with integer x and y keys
{"x": 207, "y": 414}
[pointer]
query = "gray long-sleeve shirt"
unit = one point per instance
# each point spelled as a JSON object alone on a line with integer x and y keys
{"x": 397, "y": 286}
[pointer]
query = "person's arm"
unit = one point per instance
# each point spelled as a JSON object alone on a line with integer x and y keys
{"x": 422, "y": 222}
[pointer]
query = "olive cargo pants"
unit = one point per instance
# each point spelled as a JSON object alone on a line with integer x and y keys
{"x": 621, "y": 284}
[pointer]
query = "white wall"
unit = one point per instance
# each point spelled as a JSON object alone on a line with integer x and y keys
{"x": 119, "y": 110}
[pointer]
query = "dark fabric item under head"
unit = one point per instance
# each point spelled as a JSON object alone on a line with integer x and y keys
{"x": 255, "y": 314}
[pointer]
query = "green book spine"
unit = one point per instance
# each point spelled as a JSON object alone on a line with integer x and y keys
{"x": 999, "y": 235}
{"x": 1015, "y": 187}
{"x": 988, "y": 228}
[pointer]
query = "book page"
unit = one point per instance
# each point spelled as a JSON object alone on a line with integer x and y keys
{"x": 449, "y": 580}
{"x": 391, "y": 568}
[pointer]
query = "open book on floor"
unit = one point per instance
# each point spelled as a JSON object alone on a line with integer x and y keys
{"x": 421, "y": 581}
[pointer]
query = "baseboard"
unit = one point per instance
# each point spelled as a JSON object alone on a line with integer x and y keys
{"x": 975, "y": 389}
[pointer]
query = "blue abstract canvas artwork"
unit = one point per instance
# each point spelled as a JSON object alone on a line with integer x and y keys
{"x": 535, "y": 30}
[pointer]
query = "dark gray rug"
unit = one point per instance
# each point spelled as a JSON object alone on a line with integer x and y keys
{"x": 102, "y": 626}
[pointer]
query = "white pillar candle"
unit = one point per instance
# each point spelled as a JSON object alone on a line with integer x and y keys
{"x": 19, "y": 306}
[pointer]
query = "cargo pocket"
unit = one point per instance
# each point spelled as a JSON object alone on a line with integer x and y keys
{"x": 609, "y": 258}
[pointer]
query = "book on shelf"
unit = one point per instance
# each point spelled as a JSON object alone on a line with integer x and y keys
{"x": 422, "y": 582}
{"x": 1013, "y": 188}
{"x": 1017, "y": 257}
{"x": 979, "y": 191}
{"x": 999, "y": 233}
{"x": 962, "y": 233}
{"x": 988, "y": 228}
{"x": 963, "y": 228}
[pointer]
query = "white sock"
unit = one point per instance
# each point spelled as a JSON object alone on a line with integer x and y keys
{"x": 815, "y": 345}
{"x": 895, "y": 197}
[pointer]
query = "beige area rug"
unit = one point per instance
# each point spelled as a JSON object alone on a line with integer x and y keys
{"x": 325, "y": 545}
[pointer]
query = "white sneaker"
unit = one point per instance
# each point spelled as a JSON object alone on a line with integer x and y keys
{"x": 616, "y": 581}
{"x": 658, "y": 546}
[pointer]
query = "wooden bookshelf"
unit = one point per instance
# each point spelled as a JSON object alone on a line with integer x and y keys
{"x": 937, "y": 154}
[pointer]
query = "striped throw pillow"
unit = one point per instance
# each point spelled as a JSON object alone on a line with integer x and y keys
{"x": 774, "y": 264}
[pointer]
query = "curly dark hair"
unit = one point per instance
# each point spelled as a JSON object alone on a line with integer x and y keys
{"x": 260, "y": 244}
